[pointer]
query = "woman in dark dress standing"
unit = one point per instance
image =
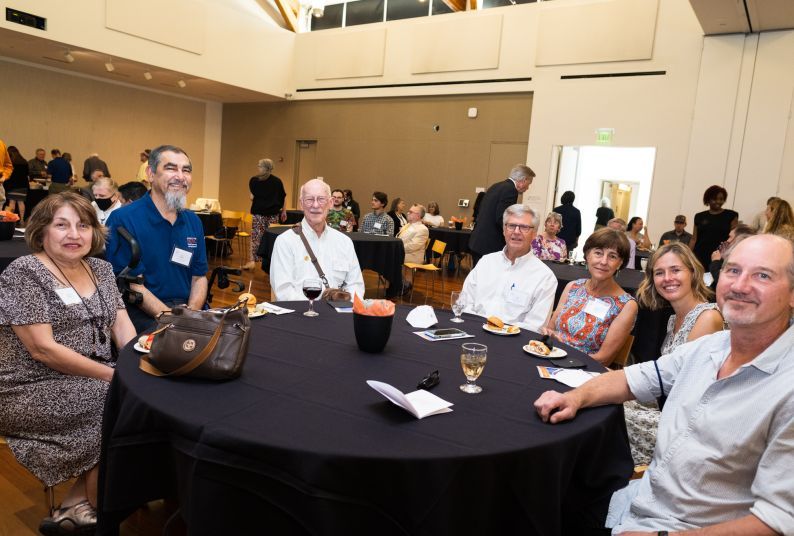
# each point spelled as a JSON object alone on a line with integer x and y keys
{"x": 713, "y": 225}
{"x": 17, "y": 185}
{"x": 267, "y": 205}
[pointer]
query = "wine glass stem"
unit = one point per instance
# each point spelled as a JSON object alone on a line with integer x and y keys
{"x": 311, "y": 306}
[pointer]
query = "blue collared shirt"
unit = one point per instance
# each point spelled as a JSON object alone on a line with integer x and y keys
{"x": 158, "y": 238}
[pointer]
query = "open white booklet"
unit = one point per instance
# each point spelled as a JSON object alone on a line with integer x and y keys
{"x": 420, "y": 403}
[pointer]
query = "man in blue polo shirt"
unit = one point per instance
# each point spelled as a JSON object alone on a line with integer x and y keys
{"x": 60, "y": 172}
{"x": 173, "y": 256}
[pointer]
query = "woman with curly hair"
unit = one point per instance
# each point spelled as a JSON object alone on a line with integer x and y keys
{"x": 713, "y": 225}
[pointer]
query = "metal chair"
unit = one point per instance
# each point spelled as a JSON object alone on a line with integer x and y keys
{"x": 227, "y": 233}
{"x": 432, "y": 268}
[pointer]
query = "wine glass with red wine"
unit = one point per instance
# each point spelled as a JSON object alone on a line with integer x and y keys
{"x": 312, "y": 288}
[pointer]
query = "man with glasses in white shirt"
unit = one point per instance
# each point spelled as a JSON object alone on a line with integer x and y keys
{"x": 724, "y": 455}
{"x": 291, "y": 263}
{"x": 512, "y": 284}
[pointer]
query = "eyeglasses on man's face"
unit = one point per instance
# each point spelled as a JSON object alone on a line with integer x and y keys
{"x": 512, "y": 227}
{"x": 320, "y": 200}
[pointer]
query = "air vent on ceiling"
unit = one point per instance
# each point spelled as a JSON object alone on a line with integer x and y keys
{"x": 26, "y": 19}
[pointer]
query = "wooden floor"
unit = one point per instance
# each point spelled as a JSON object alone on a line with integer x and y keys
{"x": 22, "y": 500}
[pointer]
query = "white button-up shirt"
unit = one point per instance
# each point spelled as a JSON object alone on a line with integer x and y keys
{"x": 725, "y": 448}
{"x": 291, "y": 263}
{"x": 520, "y": 293}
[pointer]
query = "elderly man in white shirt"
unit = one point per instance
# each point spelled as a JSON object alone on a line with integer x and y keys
{"x": 512, "y": 284}
{"x": 291, "y": 263}
{"x": 724, "y": 451}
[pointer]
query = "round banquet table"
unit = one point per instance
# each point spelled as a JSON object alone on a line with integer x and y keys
{"x": 300, "y": 444}
{"x": 382, "y": 254}
{"x": 10, "y": 250}
{"x": 293, "y": 216}
{"x": 457, "y": 240}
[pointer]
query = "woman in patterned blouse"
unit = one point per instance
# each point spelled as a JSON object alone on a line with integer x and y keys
{"x": 546, "y": 246}
{"x": 596, "y": 315}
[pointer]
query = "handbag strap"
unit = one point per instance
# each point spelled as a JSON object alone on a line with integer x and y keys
{"x": 146, "y": 365}
{"x": 312, "y": 256}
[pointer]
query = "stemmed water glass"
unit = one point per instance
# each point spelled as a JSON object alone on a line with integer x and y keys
{"x": 312, "y": 288}
{"x": 457, "y": 302}
{"x": 571, "y": 256}
{"x": 472, "y": 358}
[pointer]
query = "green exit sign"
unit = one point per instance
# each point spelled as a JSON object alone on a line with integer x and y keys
{"x": 604, "y": 136}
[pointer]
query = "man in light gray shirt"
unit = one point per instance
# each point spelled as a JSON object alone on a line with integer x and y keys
{"x": 724, "y": 453}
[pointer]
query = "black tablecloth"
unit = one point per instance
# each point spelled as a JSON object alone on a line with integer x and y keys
{"x": 301, "y": 445}
{"x": 457, "y": 240}
{"x": 11, "y": 250}
{"x": 638, "y": 256}
{"x": 33, "y": 198}
{"x": 211, "y": 221}
{"x": 293, "y": 216}
{"x": 650, "y": 327}
{"x": 382, "y": 254}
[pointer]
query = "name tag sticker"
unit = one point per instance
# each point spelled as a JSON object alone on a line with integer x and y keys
{"x": 377, "y": 226}
{"x": 343, "y": 223}
{"x": 708, "y": 279}
{"x": 181, "y": 257}
{"x": 68, "y": 295}
{"x": 597, "y": 308}
{"x": 518, "y": 297}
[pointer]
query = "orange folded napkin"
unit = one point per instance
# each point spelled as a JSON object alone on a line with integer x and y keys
{"x": 458, "y": 220}
{"x": 6, "y": 216}
{"x": 372, "y": 307}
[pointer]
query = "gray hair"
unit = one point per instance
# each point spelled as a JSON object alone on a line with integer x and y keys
{"x": 154, "y": 156}
{"x": 105, "y": 181}
{"x": 554, "y": 216}
{"x": 521, "y": 172}
{"x": 621, "y": 221}
{"x": 266, "y": 165}
{"x": 325, "y": 185}
{"x": 741, "y": 238}
{"x": 520, "y": 210}
{"x": 422, "y": 210}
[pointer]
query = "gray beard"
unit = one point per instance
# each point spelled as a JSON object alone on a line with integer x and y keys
{"x": 175, "y": 201}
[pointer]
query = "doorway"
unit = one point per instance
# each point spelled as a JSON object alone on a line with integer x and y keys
{"x": 305, "y": 167}
{"x": 620, "y": 176}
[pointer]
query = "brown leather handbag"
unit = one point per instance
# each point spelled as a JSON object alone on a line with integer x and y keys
{"x": 202, "y": 344}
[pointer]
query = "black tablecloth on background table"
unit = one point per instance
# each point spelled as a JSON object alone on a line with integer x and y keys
{"x": 211, "y": 221}
{"x": 34, "y": 197}
{"x": 10, "y": 250}
{"x": 299, "y": 444}
{"x": 293, "y": 216}
{"x": 382, "y": 254}
{"x": 650, "y": 327}
{"x": 457, "y": 240}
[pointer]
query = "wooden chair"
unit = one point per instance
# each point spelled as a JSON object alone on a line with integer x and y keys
{"x": 622, "y": 355}
{"x": 432, "y": 268}
{"x": 49, "y": 491}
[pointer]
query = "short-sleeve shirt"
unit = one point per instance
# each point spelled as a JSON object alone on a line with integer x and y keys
{"x": 580, "y": 329}
{"x": 712, "y": 229}
{"x": 158, "y": 239}
{"x": 549, "y": 250}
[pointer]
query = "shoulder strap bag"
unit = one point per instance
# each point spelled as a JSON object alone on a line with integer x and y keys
{"x": 330, "y": 294}
{"x": 209, "y": 344}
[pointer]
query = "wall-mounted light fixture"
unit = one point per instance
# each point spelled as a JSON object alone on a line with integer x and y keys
{"x": 181, "y": 83}
{"x": 109, "y": 67}
{"x": 147, "y": 75}
{"x": 68, "y": 56}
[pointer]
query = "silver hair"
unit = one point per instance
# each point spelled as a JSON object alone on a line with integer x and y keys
{"x": 520, "y": 210}
{"x": 105, "y": 181}
{"x": 154, "y": 156}
{"x": 175, "y": 200}
{"x": 266, "y": 165}
{"x": 554, "y": 216}
{"x": 521, "y": 172}
{"x": 422, "y": 209}
{"x": 325, "y": 185}
{"x": 741, "y": 238}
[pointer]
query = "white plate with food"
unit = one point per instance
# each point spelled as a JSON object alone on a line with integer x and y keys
{"x": 256, "y": 313}
{"x": 504, "y": 330}
{"x": 140, "y": 348}
{"x": 538, "y": 349}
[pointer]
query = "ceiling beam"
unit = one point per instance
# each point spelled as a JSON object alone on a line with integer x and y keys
{"x": 289, "y": 11}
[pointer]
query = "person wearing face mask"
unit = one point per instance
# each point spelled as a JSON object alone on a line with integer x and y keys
{"x": 173, "y": 254}
{"x": 106, "y": 198}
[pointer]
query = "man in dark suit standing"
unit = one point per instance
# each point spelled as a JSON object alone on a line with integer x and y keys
{"x": 571, "y": 221}
{"x": 488, "y": 235}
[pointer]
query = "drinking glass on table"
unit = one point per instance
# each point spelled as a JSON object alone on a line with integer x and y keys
{"x": 312, "y": 288}
{"x": 457, "y": 303}
{"x": 472, "y": 359}
{"x": 571, "y": 256}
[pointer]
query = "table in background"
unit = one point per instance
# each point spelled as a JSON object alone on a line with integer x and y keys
{"x": 211, "y": 221}
{"x": 34, "y": 197}
{"x": 638, "y": 256}
{"x": 299, "y": 444}
{"x": 382, "y": 254}
{"x": 10, "y": 250}
{"x": 293, "y": 216}
{"x": 650, "y": 327}
{"x": 457, "y": 240}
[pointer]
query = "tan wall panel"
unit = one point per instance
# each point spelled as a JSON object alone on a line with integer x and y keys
{"x": 611, "y": 30}
{"x": 463, "y": 44}
{"x": 375, "y": 144}
{"x": 350, "y": 54}
{"x": 77, "y": 115}
{"x": 184, "y": 27}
